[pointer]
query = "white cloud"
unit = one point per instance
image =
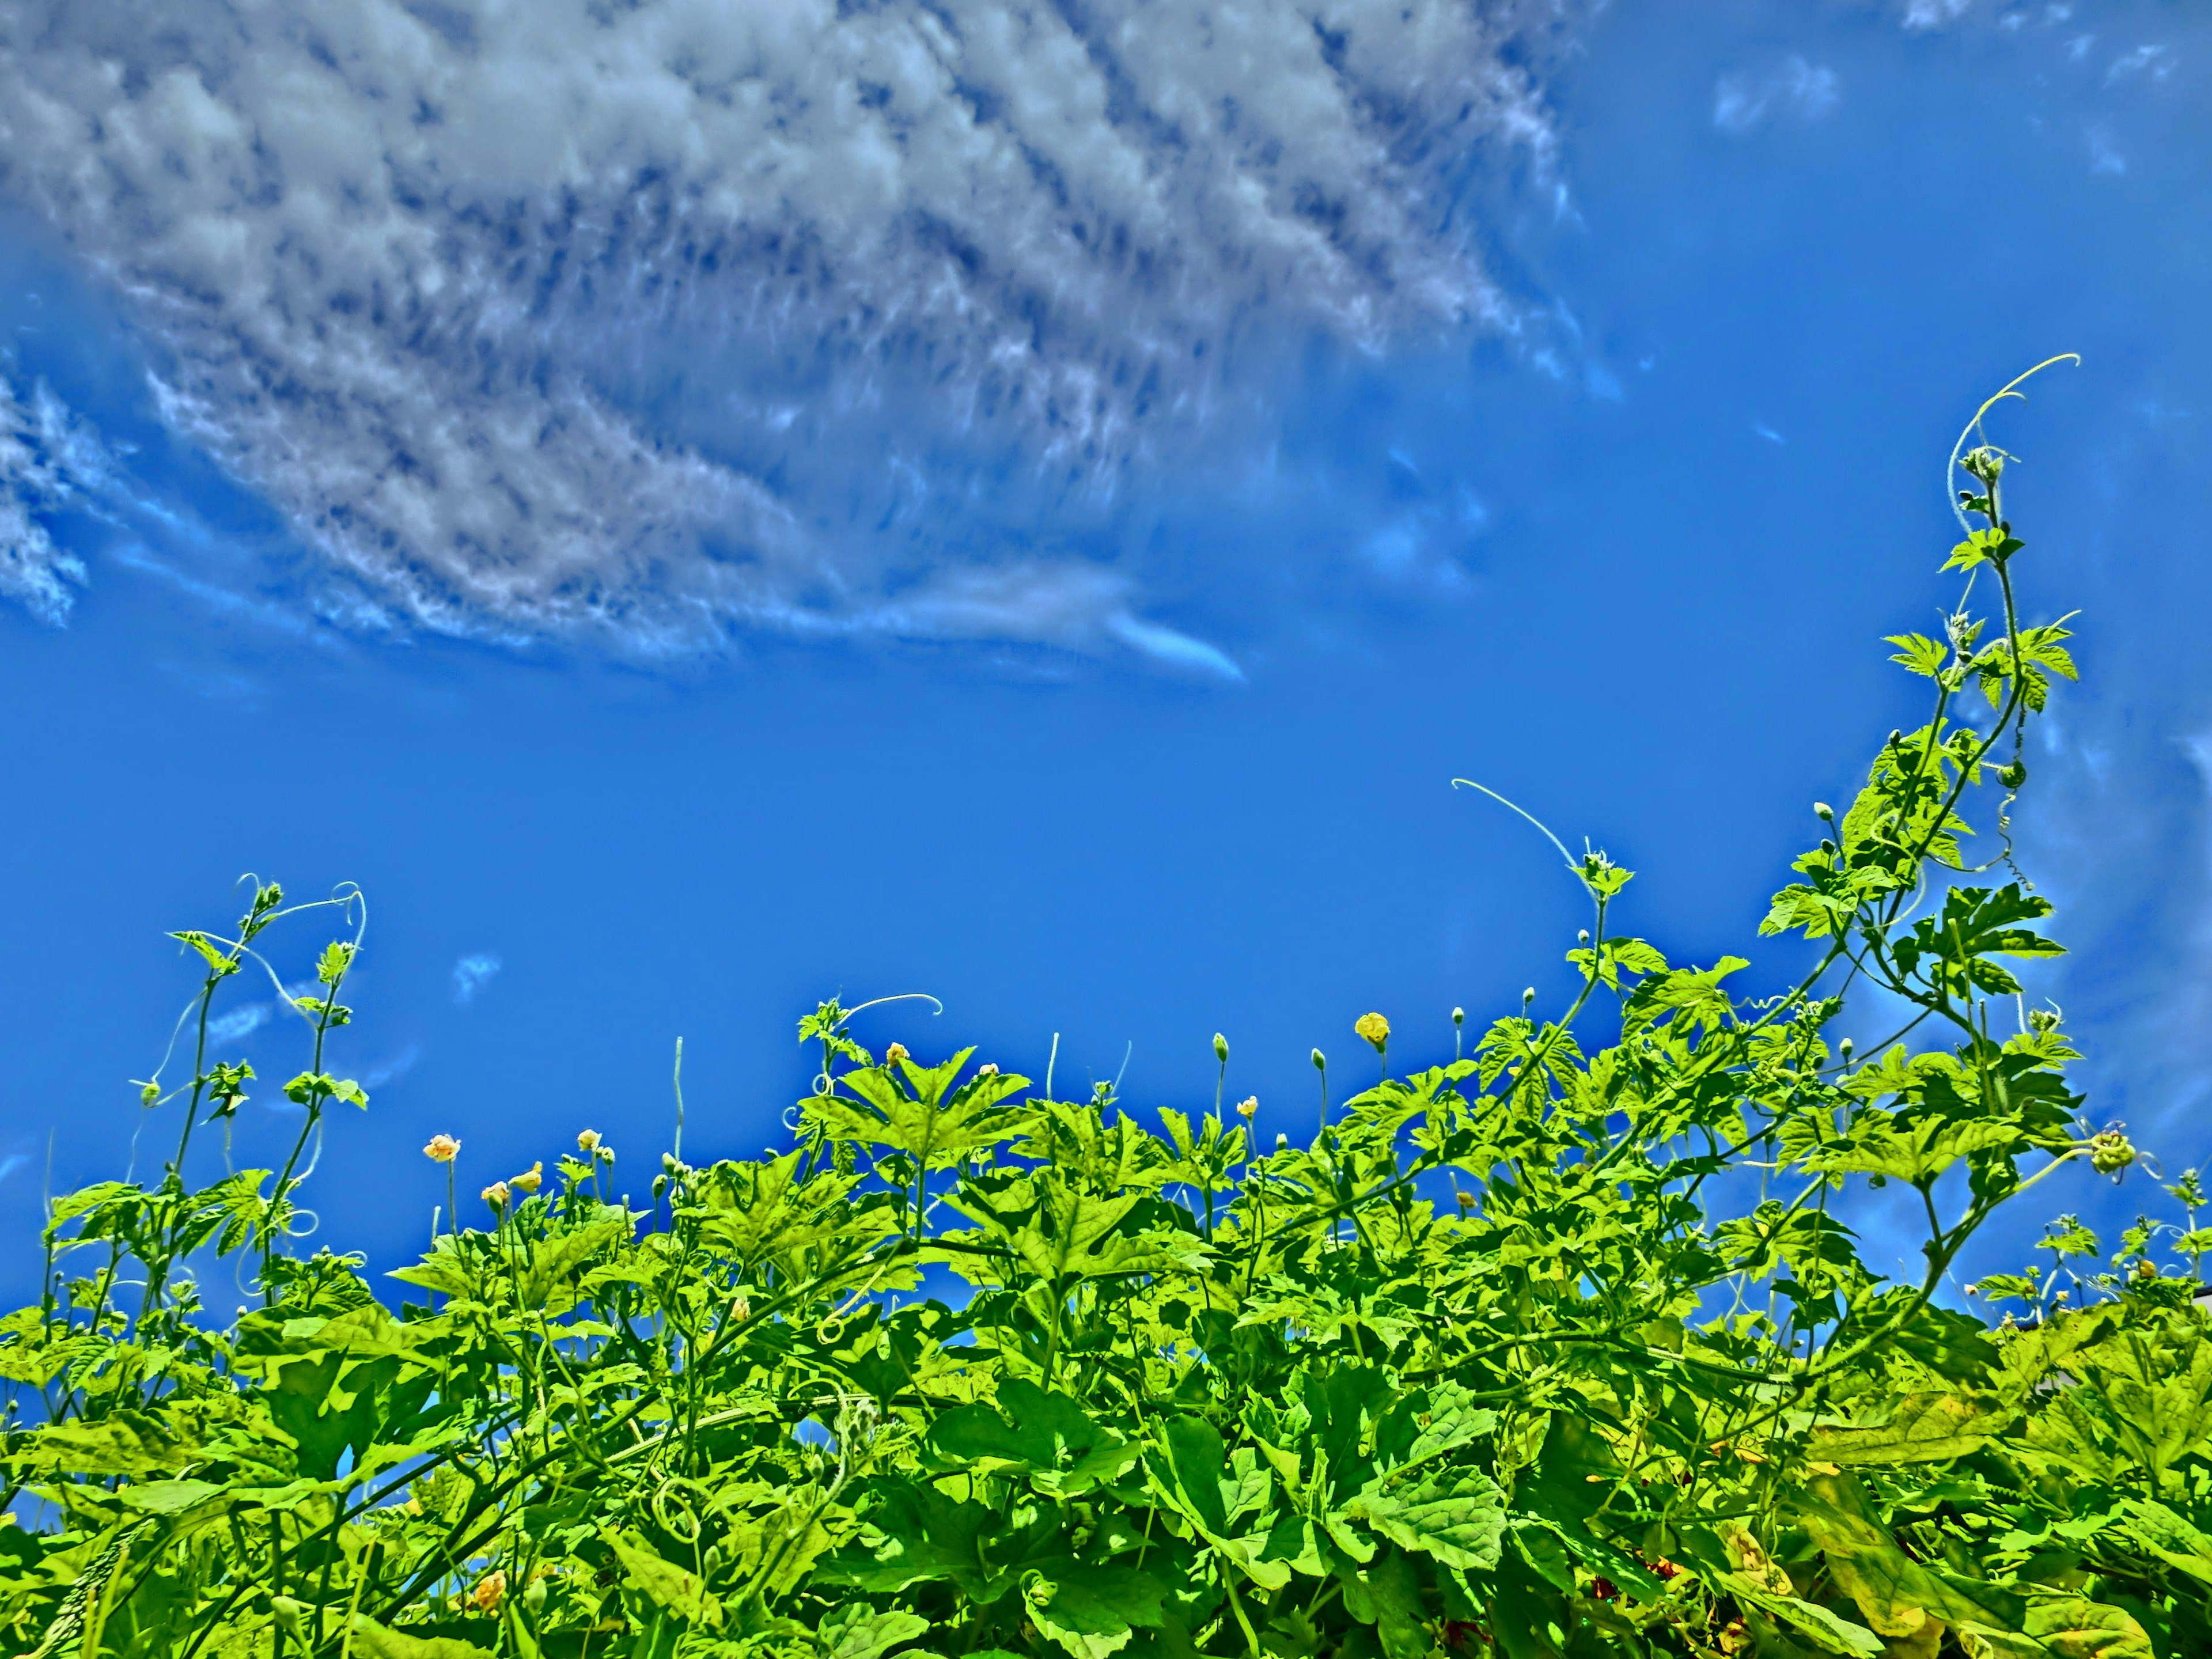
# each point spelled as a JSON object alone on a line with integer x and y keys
{"x": 424, "y": 275}
{"x": 1934, "y": 14}
{"x": 1800, "y": 90}
{"x": 50, "y": 462}
{"x": 471, "y": 974}
{"x": 240, "y": 1022}
{"x": 2152, "y": 60}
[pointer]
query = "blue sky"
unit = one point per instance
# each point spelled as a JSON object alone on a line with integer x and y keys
{"x": 1035, "y": 508}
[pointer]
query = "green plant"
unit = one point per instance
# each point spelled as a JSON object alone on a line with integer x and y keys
{"x": 1563, "y": 1348}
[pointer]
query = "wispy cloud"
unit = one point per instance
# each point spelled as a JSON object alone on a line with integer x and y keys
{"x": 50, "y": 462}
{"x": 425, "y": 276}
{"x": 1797, "y": 89}
{"x": 2154, "y": 61}
{"x": 470, "y": 975}
{"x": 1936, "y": 13}
{"x": 1759, "y": 428}
{"x": 241, "y": 1022}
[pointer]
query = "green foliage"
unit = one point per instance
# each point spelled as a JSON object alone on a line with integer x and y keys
{"x": 1564, "y": 1348}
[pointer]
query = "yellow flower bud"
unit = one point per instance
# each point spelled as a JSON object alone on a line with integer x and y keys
{"x": 441, "y": 1149}
{"x": 895, "y": 1053}
{"x": 495, "y": 1194}
{"x": 588, "y": 1141}
{"x": 1374, "y": 1027}
{"x": 530, "y": 1179}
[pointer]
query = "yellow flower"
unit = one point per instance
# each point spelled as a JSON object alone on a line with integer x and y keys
{"x": 489, "y": 1590}
{"x": 989, "y": 1068}
{"x": 895, "y": 1053}
{"x": 1374, "y": 1027}
{"x": 495, "y": 1194}
{"x": 1249, "y": 1108}
{"x": 529, "y": 1180}
{"x": 441, "y": 1149}
{"x": 588, "y": 1141}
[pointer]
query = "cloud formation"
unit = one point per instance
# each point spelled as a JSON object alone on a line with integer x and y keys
{"x": 471, "y": 974}
{"x": 1799, "y": 90}
{"x": 422, "y": 274}
{"x": 50, "y": 462}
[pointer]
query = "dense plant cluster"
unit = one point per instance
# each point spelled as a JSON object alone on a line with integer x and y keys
{"x": 1563, "y": 1348}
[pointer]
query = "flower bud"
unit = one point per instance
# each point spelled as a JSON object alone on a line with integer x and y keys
{"x": 989, "y": 1068}
{"x": 441, "y": 1149}
{"x": 1527, "y": 997}
{"x": 1823, "y": 812}
{"x": 1320, "y": 1061}
{"x": 895, "y": 1053}
{"x": 495, "y": 1194}
{"x": 533, "y": 1595}
{"x": 1282, "y": 1142}
{"x": 1459, "y": 1017}
{"x": 588, "y": 1141}
{"x": 1374, "y": 1029}
{"x": 2110, "y": 1153}
{"x": 1221, "y": 1048}
{"x": 530, "y": 1179}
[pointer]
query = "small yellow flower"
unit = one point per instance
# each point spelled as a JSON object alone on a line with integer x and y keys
{"x": 989, "y": 1068}
{"x": 605, "y": 1153}
{"x": 496, "y": 1195}
{"x": 588, "y": 1141}
{"x": 441, "y": 1149}
{"x": 1249, "y": 1108}
{"x": 895, "y": 1053}
{"x": 530, "y": 1179}
{"x": 489, "y": 1590}
{"x": 1374, "y": 1027}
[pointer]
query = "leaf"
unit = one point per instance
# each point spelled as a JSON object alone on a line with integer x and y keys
{"x": 1455, "y": 1421}
{"x": 915, "y": 1110}
{"x": 1895, "y": 1595}
{"x": 677, "y": 1588}
{"x": 169, "y": 1496}
{"x": 131, "y": 1444}
{"x": 1458, "y": 1516}
{"x": 2062, "y": 1626}
{"x": 1921, "y": 1428}
{"x": 1092, "y": 1611}
{"x": 1387, "y": 1596}
{"x": 1919, "y": 652}
{"x": 370, "y": 1640}
{"x": 857, "y": 1631}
